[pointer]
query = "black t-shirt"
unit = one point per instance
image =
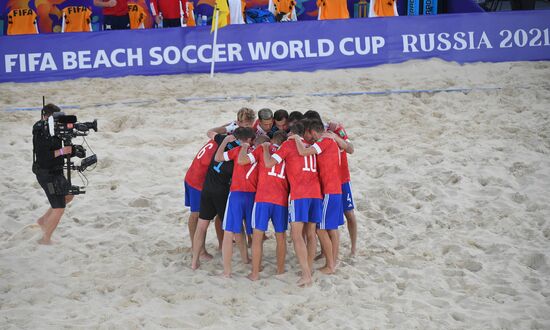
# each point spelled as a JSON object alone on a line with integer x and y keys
{"x": 44, "y": 147}
{"x": 218, "y": 177}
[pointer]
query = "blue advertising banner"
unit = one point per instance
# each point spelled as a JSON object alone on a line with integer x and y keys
{"x": 298, "y": 46}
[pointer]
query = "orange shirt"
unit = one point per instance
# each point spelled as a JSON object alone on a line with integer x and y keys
{"x": 22, "y": 21}
{"x": 383, "y": 8}
{"x": 333, "y": 9}
{"x": 76, "y": 19}
{"x": 137, "y": 16}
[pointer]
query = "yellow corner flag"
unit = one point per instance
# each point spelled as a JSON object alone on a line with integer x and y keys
{"x": 223, "y": 19}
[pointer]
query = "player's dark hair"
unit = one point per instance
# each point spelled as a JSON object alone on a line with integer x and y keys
{"x": 297, "y": 128}
{"x": 280, "y": 115}
{"x": 243, "y": 133}
{"x": 295, "y": 116}
{"x": 316, "y": 125}
{"x": 279, "y": 137}
{"x": 312, "y": 114}
{"x": 49, "y": 109}
{"x": 261, "y": 139}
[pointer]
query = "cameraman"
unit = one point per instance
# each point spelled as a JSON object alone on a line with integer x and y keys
{"x": 48, "y": 167}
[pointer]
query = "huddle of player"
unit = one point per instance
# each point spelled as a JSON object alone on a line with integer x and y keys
{"x": 287, "y": 168}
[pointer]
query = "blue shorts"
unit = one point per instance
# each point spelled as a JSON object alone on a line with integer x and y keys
{"x": 262, "y": 212}
{"x": 305, "y": 210}
{"x": 333, "y": 213}
{"x": 192, "y": 197}
{"x": 239, "y": 206}
{"x": 347, "y": 197}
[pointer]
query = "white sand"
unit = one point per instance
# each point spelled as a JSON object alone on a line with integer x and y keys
{"x": 454, "y": 233}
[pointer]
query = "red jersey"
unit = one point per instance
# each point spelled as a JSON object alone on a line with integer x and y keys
{"x": 301, "y": 171}
{"x": 245, "y": 177}
{"x": 120, "y": 9}
{"x": 197, "y": 171}
{"x": 170, "y": 9}
{"x": 272, "y": 182}
{"x": 344, "y": 166}
{"x": 328, "y": 157}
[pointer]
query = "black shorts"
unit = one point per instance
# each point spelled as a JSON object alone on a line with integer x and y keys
{"x": 46, "y": 182}
{"x": 171, "y": 22}
{"x": 116, "y": 22}
{"x": 212, "y": 204}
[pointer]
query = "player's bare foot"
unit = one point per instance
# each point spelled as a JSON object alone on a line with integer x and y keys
{"x": 195, "y": 265}
{"x": 304, "y": 282}
{"x": 281, "y": 271}
{"x": 253, "y": 277}
{"x": 247, "y": 261}
{"x": 205, "y": 256}
{"x": 226, "y": 275}
{"x": 327, "y": 270}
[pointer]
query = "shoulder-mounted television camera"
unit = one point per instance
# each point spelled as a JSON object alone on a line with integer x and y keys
{"x": 66, "y": 128}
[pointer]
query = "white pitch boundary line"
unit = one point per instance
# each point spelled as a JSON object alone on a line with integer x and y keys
{"x": 269, "y": 97}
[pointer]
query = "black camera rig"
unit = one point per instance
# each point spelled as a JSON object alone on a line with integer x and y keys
{"x": 66, "y": 128}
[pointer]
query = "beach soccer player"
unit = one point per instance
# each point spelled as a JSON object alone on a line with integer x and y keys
{"x": 264, "y": 124}
{"x": 305, "y": 206}
{"x": 193, "y": 183}
{"x": 245, "y": 118}
{"x": 280, "y": 122}
{"x": 270, "y": 203}
{"x": 213, "y": 197}
{"x": 241, "y": 196}
{"x": 346, "y": 147}
{"x": 328, "y": 162}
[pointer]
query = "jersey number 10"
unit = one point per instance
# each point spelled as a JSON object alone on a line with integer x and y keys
{"x": 310, "y": 166}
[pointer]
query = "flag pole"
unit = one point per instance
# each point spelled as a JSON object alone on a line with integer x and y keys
{"x": 214, "y": 44}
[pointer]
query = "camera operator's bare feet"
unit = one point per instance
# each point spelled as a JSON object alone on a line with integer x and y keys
{"x": 44, "y": 241}
{"x": 195, "y": 266}
{"x": 327, "y": 270}
{"x": 253, "y": 277}
{"x": 304, "y": 282}
{"x": 42, "y": 224}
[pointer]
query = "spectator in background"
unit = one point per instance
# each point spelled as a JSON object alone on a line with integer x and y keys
{"x": 137, "y": 14}
{"x": 236, "y": 11}
{"x": 284, "y": 10}
{"x": 76, "y": 19}
{"x": 22, "y": 21}
{"x": 332, "y": 9}
{"x": 115, "y": 14}
{"x": 383, "y": 8}
{"x": 172, "y": 13}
